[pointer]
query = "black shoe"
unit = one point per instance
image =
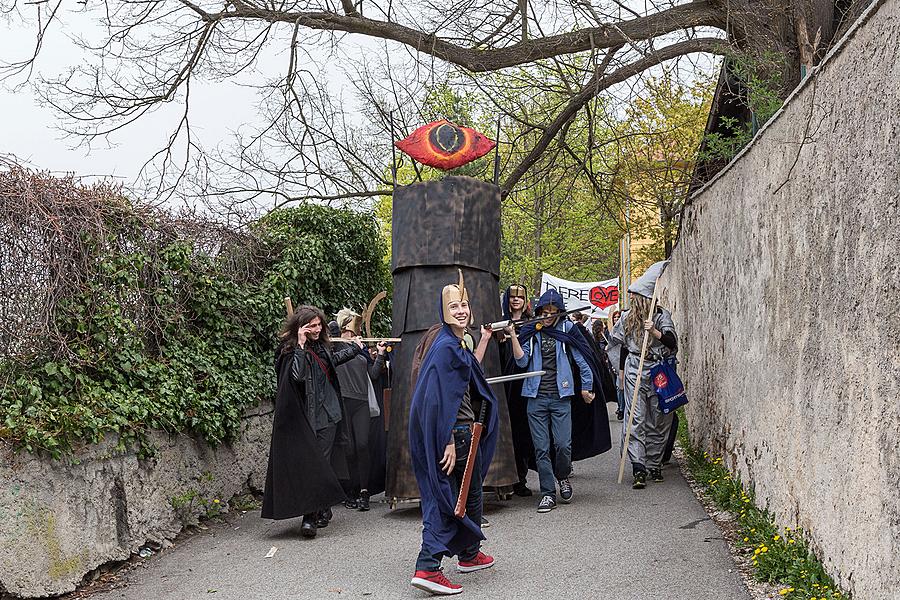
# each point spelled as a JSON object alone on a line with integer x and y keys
{"x": 363, "y": 501}
{"x": 308, "y": 529}
{"x": 620, "y": 415}
{"x": 656, "y": 475}
{"x": 485, "y": 522}
{"x": 520, "y": 489}
{"x": 640, "y": 480}
{"x": 565, "y": 491}
{"x": 351, "y": 504}
{"x": 323, "y": 518}
{"x": 547, "y": 504}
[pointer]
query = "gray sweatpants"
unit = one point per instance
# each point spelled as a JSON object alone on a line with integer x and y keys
{"x": 650, "y": 429}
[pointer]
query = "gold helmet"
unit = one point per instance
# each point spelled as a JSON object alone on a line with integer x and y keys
{"x": 454, "y": 292}
{"x": 518, "y": 291}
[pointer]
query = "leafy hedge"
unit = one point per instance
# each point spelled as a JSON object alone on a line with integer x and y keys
{"x": 160, "y": 332}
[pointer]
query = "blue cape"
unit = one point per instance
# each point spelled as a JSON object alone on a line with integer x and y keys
{"x": 447, "y": 370}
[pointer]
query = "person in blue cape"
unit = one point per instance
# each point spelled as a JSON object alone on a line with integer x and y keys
{"x": 565, "y": 422}
{"x": 449, "y": 394}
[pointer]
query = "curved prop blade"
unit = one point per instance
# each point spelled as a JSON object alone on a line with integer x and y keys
{"x": 367, "y": 314}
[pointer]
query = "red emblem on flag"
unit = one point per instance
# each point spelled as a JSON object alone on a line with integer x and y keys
{"x": 443, "y": 145}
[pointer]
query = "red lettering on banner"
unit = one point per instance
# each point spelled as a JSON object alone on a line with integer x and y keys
{"x": 604, "y": 297}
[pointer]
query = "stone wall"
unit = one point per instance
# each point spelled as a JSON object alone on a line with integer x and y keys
{"x": 60, "y": 520}
{"x": 785, "y": 286}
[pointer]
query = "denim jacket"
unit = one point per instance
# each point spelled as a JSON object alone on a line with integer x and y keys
{"x": 564, "y": 379}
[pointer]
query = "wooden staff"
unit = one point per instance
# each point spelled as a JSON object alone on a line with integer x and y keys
{"x": 288, "y": 306}
{"x": 637, "y": 385}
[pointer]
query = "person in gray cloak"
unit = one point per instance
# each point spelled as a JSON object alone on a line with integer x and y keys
{"x": 650, "y": 429}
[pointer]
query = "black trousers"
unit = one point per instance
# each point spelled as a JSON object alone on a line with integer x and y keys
{"x": 325, "y": 440}
{"x": 361, "y": 426}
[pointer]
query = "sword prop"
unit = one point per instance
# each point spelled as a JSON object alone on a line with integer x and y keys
{"x": 501, "y": 324}
{"x": 514, "y": 377}
{"x": 477, "y": 429}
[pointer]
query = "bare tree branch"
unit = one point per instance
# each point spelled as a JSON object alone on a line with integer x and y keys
{"x": 599, "y": 83}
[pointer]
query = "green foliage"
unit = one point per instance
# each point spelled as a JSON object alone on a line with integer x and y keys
{"x": 160, "y": 335}
{"x": 762, "y": 79}
{"x": 779, "y": 556}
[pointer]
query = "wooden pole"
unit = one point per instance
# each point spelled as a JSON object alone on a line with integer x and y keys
{"x": 637, "y": 386}
{"x": 289, "y": 306}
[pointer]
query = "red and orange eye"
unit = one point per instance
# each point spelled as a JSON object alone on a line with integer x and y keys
{"x": 444, "y": 145}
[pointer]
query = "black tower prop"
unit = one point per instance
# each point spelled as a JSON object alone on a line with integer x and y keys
{"x": 437, "y": 227}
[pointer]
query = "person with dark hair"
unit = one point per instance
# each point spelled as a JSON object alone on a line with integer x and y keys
{"x": 355, "y": 377}
{"x": 306, "y": 455}
{"x": 515, "y": 306}
{"x": 450, "y": 395}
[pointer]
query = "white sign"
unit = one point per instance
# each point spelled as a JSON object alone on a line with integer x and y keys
{"x": 601, "y": 296}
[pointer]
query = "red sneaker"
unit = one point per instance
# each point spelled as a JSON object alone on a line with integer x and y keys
{"x": 481, "y": 561}
{"x": 435, "y": 583}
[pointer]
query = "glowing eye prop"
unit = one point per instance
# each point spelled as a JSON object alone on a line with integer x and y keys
{"x": 444, "y": 145}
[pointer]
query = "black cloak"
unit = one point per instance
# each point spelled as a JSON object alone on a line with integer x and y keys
{"x": 299, "y": 480}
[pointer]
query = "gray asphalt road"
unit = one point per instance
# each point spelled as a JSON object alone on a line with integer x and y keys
{"x": 612, "y": 542}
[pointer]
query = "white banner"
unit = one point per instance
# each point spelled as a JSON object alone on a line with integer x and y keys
{"x": 601, "y": 296}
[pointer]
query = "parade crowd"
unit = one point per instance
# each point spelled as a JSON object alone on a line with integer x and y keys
{"x": 328, "y": 438}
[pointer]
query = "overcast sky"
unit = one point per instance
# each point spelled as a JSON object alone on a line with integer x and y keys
{"x": 29, "y": 129}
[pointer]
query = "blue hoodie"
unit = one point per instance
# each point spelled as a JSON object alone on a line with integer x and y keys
{"x": 567, "y": 344}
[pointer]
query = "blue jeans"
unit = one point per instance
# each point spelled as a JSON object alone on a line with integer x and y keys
{"x": 462, "y": 438}
{"x": 546, "y": 415}
{"x": 620, "y": 396}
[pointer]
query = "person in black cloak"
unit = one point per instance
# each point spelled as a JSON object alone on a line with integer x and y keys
{"x": 378, "y": 433}
{"x": 605, "y": 375}
{"x": 309, "y": 428}
{"x": 515, "y": 306}
{"x": 450, "y": 391}
{"x": 356, "y": 378}
{"x": 578, "y": 429}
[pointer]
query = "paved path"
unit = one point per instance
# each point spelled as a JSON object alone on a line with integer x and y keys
{"x": 612, "y": 543}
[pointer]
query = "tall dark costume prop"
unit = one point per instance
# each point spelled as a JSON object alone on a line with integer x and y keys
{"x": 439, "y": 226}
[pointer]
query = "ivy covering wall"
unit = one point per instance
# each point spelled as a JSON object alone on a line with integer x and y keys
{"x": 120, "y": 318}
